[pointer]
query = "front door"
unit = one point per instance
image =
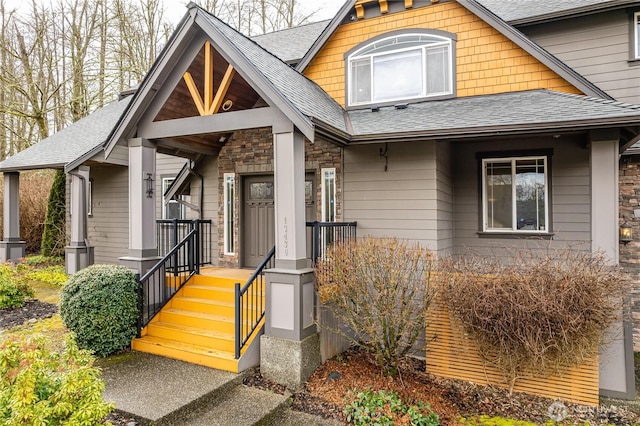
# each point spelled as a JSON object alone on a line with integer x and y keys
{"x": 258, "y": 228}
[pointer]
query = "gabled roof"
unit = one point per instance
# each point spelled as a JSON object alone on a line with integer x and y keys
{"x": 291, "y": 44}
{"x": 518, "y": 12}
{"x": 476, "y": 116}
{"x": 297, "y": 97}
{"x": 496, "y": 22}
{"x": 70, "y": 143}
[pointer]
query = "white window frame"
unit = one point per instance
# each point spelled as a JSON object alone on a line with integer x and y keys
{"x": 328, "y": 196}
{"x": 356, "y": 56}
{"x": 166, "y": 204}
{"x": 89, "y": 198}
{"x": 229, "y": 189}
{"x": 514, "y": 226}
{"x": 636, "y": 35}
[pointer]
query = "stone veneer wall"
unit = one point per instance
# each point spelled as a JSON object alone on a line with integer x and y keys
{"x": 250, "y": 152}
{"x": 630, "y": 253}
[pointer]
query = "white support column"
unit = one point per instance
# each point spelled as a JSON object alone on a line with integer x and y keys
{"x": 11, "y": 248}
{"x": 290, "y": 347}
{"x": 143, "y": 252}
{"x": 78, "y": 255}
{"x": 617, "y": 378}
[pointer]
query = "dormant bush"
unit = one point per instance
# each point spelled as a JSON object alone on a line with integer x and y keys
{"x": 381, "y": 289}
{"x": 537, "y": 313}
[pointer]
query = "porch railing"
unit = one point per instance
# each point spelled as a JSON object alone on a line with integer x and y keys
{"x": 161, "y": 282}
{"x": 250, "y": 302}
{"x": 170, "y": 232}
{"x": 323, "y": 234}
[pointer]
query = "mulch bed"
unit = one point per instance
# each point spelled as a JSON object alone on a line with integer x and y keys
{"x": 32, "y": 311}
{"x": 325, "y": 392}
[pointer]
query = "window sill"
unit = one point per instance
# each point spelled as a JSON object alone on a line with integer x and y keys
{"x": 516, "y": 235}
{"x": 634, "y": 62}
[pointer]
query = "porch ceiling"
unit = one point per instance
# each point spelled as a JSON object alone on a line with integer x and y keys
{"x": 180, "y": 104}
{"x": 191, "y": 146}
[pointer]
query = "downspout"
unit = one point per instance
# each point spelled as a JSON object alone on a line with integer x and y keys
{"x": 84, "y": 205}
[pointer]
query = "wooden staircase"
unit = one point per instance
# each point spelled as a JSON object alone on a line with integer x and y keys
{"x": 198, "y": 324}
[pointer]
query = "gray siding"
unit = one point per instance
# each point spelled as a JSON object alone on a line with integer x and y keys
{"x": 596, "y": 46}
{"x": 108, "y": 227}
{"x": 167, "y": 167}
{"x": 208, "y": 169}
{"x": 570, "y": 190}
{"x": 400, "y": 202}
{"x": 445, "y": 197}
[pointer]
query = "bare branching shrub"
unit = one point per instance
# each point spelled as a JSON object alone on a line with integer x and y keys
{"x": 381, "y": 289}
{"x": 34, "y": 191}
{"x": 538, "y": 314}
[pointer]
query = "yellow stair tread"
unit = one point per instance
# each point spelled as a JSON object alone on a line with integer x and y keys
{"x": 214, "y": 302}
{"x": 194, "y": 330}
{"x": 185, "y": 347}
{"x": 202, "y": 315}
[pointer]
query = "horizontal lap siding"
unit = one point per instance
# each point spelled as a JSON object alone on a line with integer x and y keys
{"x": 451, "y": 354}
{"x": 400, "y": 202}
{"x": 444, "y": 197}
{"x": 208, "y": 169}
{"x": 167, "y": 166}
{"x": 596, "y": 46}
{"x": 571, "y": 195}
{"x": 108, "y": 227}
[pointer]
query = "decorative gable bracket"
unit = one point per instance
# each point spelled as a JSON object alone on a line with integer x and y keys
{"x": 384, "y": 6}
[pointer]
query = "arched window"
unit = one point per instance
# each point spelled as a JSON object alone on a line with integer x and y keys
{"x": 404, "y": 66}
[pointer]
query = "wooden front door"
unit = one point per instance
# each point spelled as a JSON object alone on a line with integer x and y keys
{"x": 258, "y": 228}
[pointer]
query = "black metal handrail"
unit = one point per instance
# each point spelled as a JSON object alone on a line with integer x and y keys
{"x": 171, "y": 231}
{"x": 326, "y": 233}
{"x": 166, "y": 277}
{"x": 250, "y": 302}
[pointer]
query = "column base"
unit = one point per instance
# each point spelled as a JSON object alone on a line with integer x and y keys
{"x": 12, "y": 251}
{"x": 289, "y": 362}
{"x": 139, "y": 265}
{"x": 77, "y": 257}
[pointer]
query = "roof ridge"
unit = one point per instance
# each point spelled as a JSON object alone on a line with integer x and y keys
{"x": 291, "y": 28}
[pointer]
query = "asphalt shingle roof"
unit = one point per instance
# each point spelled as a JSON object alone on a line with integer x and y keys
{"x": 303, "y": 93}
{"x": 535, "y": 108}
{"x": 513, "y": 10}
{"x": 291, "y": 44}
{"x": 69, "y": 143}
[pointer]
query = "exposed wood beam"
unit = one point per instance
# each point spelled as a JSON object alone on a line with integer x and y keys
{"x": 222, "y": 90}
{"x": 217, "y": 123}
{"x": 194, "y": 93}
{"x": 408, "y": 4}
{"x": 166, "y": 146}
{"x": 208, "y": 78}
{"x": 384, "y": 7}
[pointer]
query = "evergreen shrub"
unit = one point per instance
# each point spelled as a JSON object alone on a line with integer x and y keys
{"x": 99, "y": 304}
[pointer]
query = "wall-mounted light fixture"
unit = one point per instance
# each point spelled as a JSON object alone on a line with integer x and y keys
{"x": 149, "y": 181}
{"x": 626, "y": 233}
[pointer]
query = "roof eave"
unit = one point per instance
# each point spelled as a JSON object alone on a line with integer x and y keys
{"x": 534, "y": 50}
{"x": 31, "y": 167}
{"x": 84, "y": 157}
{"x": 571, "y": 13}
{"x": 500, "y": 130}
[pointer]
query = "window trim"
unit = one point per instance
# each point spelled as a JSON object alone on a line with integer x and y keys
{"x": 229, "y": 213}
{"x": 635, "y": 34}
{"x": 90, "y": 197}
{"x": 483, "y": 158}
{"x": 449, "y": 39}
{"x": 163, "y": 179}
{"x": 326, "y": 215}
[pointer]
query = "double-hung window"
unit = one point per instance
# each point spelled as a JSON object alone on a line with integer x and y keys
{"x": 171, "y": 209}
{"x": 515, "y": 194}
{"x": 400, "y": 67}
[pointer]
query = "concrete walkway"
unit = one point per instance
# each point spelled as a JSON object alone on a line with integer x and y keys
{"x": 162, "y": 391}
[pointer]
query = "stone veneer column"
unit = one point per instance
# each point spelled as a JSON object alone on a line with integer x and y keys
{"x": 143, "y": 251}
{"x": 78, "y": 254}
{"x": 11, "y": 248}
{"x": 617, "y": 378}
{"x": 290, "y": 347}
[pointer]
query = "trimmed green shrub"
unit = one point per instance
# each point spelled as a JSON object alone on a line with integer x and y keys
{"x": 40, "y": 387}
{"x": 53, "y": 237}
{"x": 99, "y": 304}
{"x": 13, "y": 290}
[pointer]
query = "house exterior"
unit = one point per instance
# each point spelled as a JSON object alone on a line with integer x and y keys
{"x": 431, "y": 121}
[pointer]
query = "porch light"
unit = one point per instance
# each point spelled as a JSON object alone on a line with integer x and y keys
{"x": 626, "y": 233}
{"x": 149, "y": 181}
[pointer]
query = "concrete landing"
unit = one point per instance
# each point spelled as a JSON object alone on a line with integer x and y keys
{"x": 162, "y": 391}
